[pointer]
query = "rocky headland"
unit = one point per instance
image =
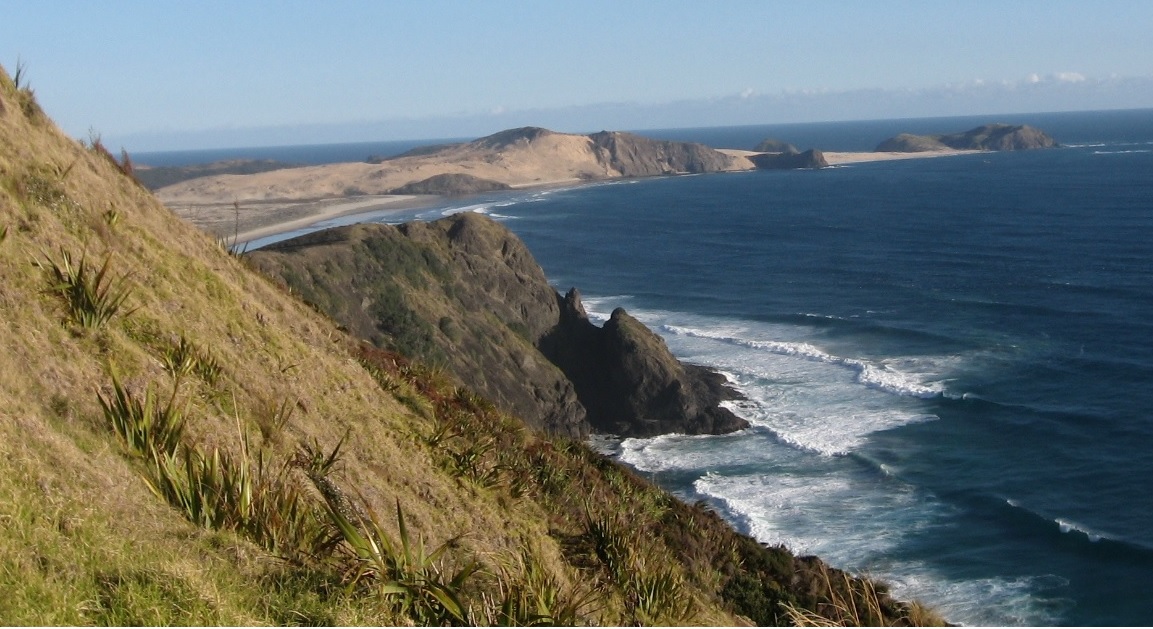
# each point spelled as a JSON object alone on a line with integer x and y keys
{"x": 990, "y": 137}
{"x": 464, "y": 292}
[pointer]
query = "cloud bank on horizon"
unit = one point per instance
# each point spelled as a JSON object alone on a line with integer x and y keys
{"x": 1064, "y": 91}
{"x": 219, "y": 73}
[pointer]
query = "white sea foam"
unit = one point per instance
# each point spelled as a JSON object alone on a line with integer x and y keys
{"x": 1031, "y": 601}
{"x": 807, "y": 397}
{"x": 804, "y": 399}
{"x": 1069, "y": 526}
{"x": 855, "y": 524}
{"x": 884, "y": 376}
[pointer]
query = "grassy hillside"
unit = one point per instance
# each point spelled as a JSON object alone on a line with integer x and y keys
{"x": 182, "y": 442}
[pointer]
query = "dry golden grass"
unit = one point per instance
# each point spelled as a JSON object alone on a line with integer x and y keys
{"x": 59, "y": 457}
{"x": 84, "y": 541}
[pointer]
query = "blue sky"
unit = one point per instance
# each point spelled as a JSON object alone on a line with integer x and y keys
{"x": 164, "y": 74}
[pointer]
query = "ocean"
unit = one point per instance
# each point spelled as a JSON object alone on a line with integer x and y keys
{"x": 947, "y": 363}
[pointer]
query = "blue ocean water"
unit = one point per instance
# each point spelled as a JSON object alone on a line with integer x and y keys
{"x": 948, "y": 363}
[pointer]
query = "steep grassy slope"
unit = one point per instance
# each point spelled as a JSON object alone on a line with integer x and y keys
{"x": 181, "y": 442}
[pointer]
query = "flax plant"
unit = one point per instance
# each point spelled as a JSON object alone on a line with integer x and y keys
{"x": 91, "y": 295}
{"x": 404, "y": 573}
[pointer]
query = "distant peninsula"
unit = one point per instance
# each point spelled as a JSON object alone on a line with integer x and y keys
{"x": 247, "y": 200}
{"x": 990, "y": 137}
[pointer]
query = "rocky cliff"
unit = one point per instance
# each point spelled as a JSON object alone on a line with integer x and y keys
{"x": 466, "y": 293}
{"x": 635, "y": 156}
{"x": 990, "y": 137}
{"x": 630, "y": 383}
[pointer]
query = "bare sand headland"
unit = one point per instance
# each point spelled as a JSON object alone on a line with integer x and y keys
{"x": 246, "y": 207}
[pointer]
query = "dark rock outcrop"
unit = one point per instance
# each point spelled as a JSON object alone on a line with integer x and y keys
{"x": 451, "y": 184}
{"x": 811, "y": 158}
{"x": 990, "y": 137}
{"x": 629, "y": 382}
{"x": 769, "y": 145}
{"x": 465, "y": 292}
{"x": 636, "y": 156}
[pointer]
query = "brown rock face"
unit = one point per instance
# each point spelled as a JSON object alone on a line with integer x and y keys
{"x": 636, "y": 156}
{"x": 465, "y": 292}
{"x": 629, "y": 382}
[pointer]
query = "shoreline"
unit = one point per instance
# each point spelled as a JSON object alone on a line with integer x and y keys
{"x": 330, "y": 209}
{"x": 242, "y": 222}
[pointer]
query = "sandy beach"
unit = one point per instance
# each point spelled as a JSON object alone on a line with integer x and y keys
{"x": 241, "y": 222}
{"x": 244, "y": 208}
{"x": 840, "y": 158}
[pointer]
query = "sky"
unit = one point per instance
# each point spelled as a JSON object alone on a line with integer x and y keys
{"x": 166, "y": 75}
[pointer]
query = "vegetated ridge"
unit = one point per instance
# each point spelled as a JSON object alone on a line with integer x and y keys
{"x": 183, "y": 442}
{"x": 155, "y": 177}
{"x": 990, "y": 137}
{"x": 465, "y": 292}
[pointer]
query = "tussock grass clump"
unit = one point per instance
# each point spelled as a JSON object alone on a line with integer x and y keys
{"x": 91, "y": 295}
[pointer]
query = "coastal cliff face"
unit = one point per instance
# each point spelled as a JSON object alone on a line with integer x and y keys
{"x": 635, "y": 156}
{"x": 466, "y": 293}
{"x": 628, "y": 380}
{"x": 990, "y": 137}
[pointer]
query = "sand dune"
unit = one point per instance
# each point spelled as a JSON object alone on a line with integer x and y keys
{"x": 261, "y": 204}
